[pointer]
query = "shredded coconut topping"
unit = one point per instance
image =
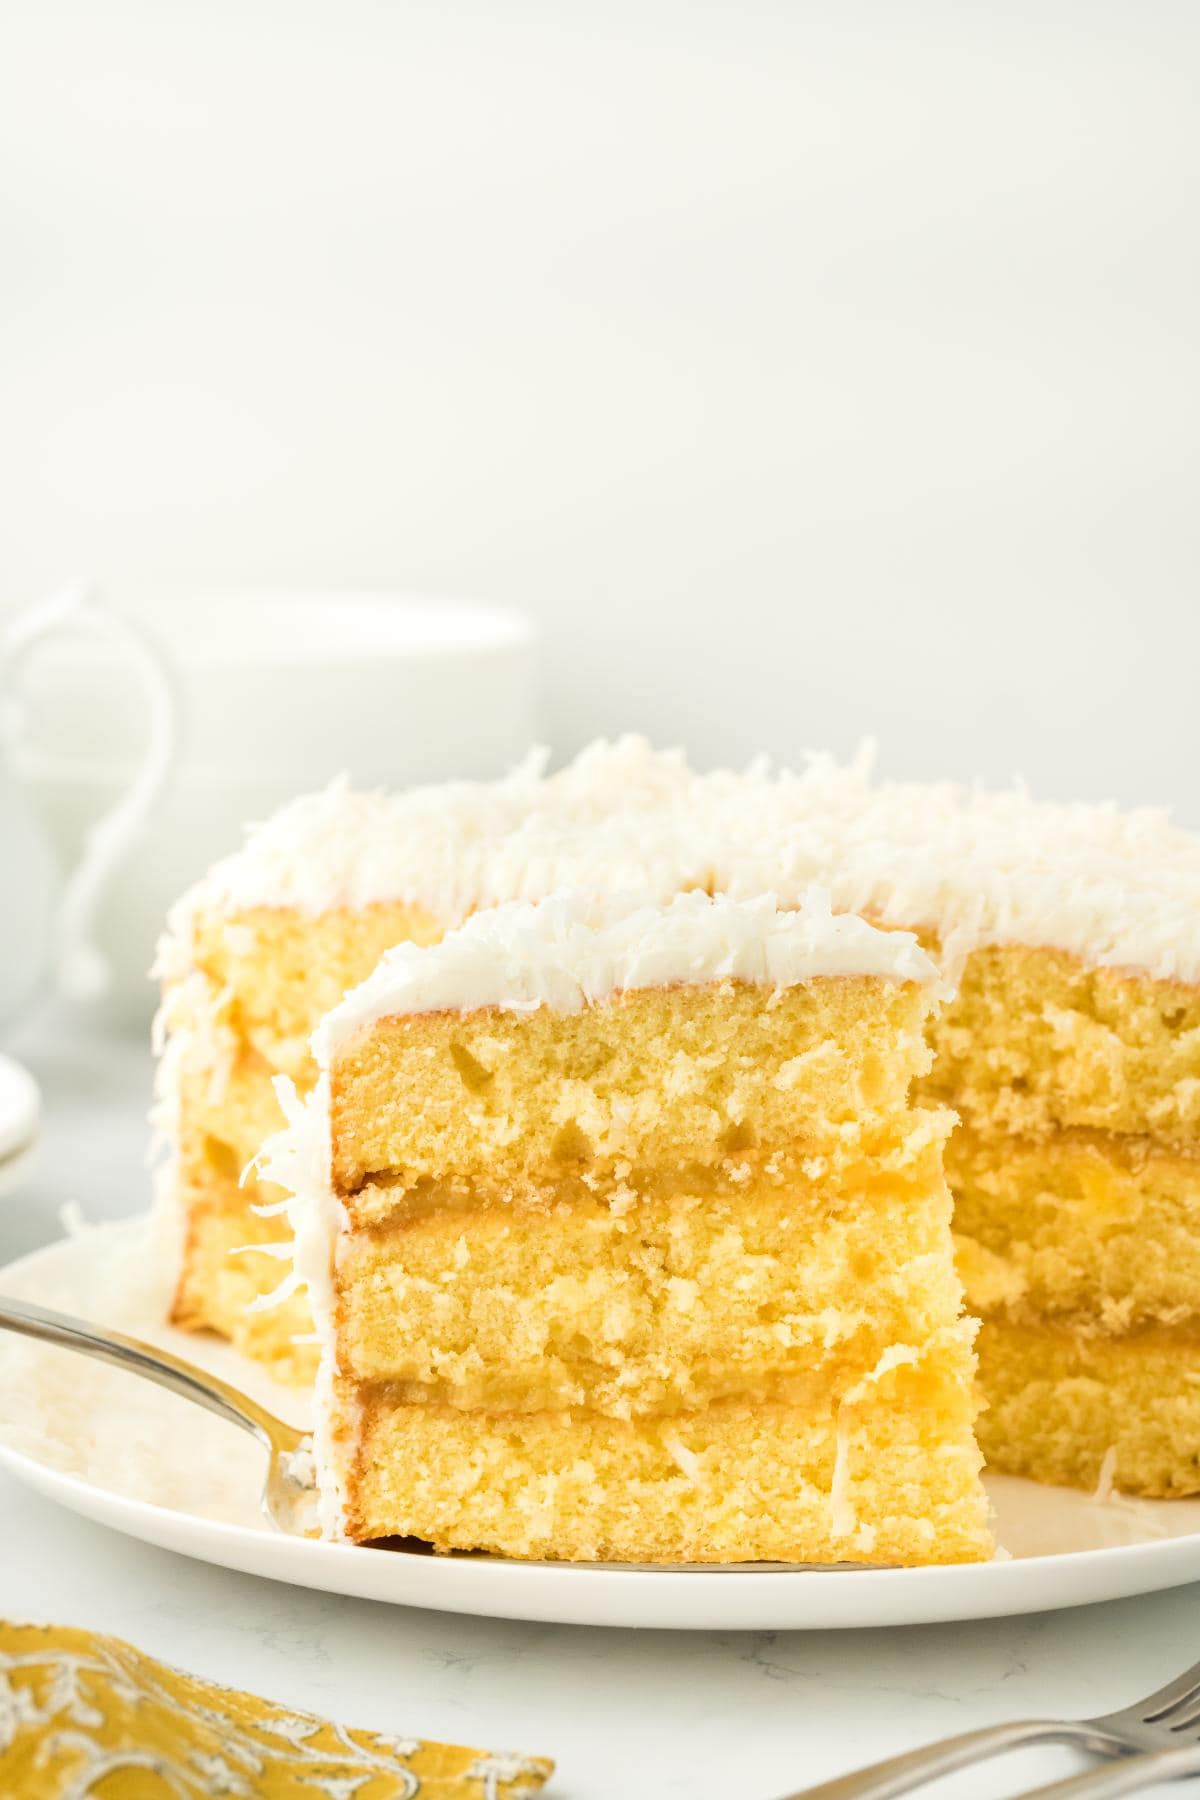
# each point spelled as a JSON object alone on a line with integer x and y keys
{"x": 1115, "y": 888}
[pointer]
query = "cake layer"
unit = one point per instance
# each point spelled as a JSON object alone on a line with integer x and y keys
{"x": 230, "y": 1109}
{"x": 278, "y": 970}
{"x": 1059, "y": 1401}
{"x": 665, "y": 1304}
{"x": 650, "y": 1079}
{"x": 1035, "y": 1040}
{"x": 219, "y": 1282}
{"x": 1102, "y": 1227}
{"x": 890, "y": 1478}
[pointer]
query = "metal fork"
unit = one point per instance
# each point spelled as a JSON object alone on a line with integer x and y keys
{"x": 1158, "y": 1738}
{"x": 1129, "y": 1776}
{"x": 288, "y": 1493}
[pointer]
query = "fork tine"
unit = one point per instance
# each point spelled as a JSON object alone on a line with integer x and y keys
{"x": 1183, "y": 1719}
{"x": 1168, "y": 1700}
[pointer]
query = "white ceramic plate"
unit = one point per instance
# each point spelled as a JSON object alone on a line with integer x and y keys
{"x": 133, "y": 1457}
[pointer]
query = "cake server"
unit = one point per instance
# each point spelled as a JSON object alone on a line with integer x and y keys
{"x": 1158, "y": 1738}
{"x": 288, "y": 1495}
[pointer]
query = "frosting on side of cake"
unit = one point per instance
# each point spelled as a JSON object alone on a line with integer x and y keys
{"x": 298, "y": 1159}
{"x": 572, "y": 950}
{"x": 1115, "y": 888}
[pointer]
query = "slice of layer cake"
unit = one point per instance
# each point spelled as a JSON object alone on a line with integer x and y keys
{"x": 626, "y": 1242}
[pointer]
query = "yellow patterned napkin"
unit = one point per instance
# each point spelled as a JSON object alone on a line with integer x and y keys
{"x": 86, "y": 1715}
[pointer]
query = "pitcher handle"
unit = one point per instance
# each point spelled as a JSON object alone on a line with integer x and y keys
{"x": 81, "y": 970}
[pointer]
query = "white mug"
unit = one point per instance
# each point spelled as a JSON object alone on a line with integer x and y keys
{"x": 48, "y": 919}
{"x": 271, "y": 695}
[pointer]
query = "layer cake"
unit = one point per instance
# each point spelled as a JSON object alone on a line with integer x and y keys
{"x": 1069, "y": 1048}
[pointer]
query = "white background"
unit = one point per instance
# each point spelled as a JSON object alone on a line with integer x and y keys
{"x": 806, "y": 370}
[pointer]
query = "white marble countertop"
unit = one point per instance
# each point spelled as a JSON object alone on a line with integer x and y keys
{"x": 627, "y": 1715}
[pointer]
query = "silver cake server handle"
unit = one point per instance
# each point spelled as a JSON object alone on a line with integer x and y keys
{"x": 288, "y": 1490}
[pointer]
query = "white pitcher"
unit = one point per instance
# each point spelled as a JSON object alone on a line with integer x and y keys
{"x": 250, "y": 698}
{"x": 47, "y": 914}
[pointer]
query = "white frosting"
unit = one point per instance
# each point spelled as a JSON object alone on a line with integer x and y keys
{"x": 1115, "y": 888}
{"x": 573, "y": 949}
{"x": 298, "y": 1159}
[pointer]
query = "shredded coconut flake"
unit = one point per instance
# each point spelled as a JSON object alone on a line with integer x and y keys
{"x": 685, "y": 1460}
{"x": 1105, "y": 1484}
